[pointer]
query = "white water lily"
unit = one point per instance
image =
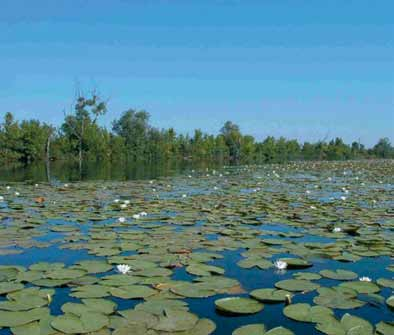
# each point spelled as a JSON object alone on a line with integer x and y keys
{"x": 116, "y": 201}
{"x": 337, "y": 230}
{"x": 122, "y": 219}
{"x": 65, "y": 185}
{"x": 1, "y": 198}
{"x": 8, "y": 187}
{"x": 184, "y": 195}
{"x": 35, "y": 185}
{"x": 343, "y": 198}
{"x": 123, "y": 268}
{"x": 17, "y": 194}
{"x": 123, "y": 206}
{"x": 313, "y": 207}
{"x": 366, "y": 279}
{"x": 127, "y": 202}
{"x": 136, "y": 216}
{"x": 280, "y": 265}
{"x": 143, "y": 214}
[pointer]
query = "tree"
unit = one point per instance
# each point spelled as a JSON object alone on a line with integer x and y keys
{"x": 133, "y": 127}
{"x": 383, "y": 149}
{"x": 85, "y": 114}
{"x": 232, "y": 138}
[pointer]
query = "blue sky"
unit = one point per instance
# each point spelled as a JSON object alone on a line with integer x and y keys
{"x": 302, "y": 69}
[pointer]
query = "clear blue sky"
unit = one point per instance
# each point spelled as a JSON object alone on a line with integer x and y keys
{"x": 301, "y": 69}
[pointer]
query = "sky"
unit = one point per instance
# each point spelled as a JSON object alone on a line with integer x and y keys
{"x": 309, "y": 70}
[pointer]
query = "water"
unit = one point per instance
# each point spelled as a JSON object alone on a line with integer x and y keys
{"x": 239, "y": 193}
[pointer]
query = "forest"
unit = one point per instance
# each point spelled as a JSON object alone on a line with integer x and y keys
{"x": 132, "y": 138}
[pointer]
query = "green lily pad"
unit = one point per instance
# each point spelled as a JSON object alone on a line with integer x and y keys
{"x": 175, "y": 321}
{"x": 270, "y": 295}
{"x": 238, "y": 305}
{"x": 253, "y": 329}
{"x": 339, "y": 274}
{"x": 86, "y": 323}
{"x": 306, "y": 313}
{"x": 385, "y": 328}
{"x": 132, "y": 292}
{"x": 13, "y": 319}
{"x": 385, "y": 282}
{"x": 348, "y": 325}
{"x": 390, "y": 301}
{"x": 338, "y": 297}
{"x": 296, "y": 285}
{"x": 361, "y": 286}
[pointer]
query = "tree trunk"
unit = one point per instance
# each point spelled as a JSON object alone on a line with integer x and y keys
{"x": 48, "y": 157}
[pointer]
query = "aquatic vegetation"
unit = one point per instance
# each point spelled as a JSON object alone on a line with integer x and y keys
{"x": 246, "y": 245}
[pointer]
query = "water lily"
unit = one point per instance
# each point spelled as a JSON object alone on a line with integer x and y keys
{"x": 313, "y": 207}
{"x": 65, "y": 185}
{"x": 143, "y": 214}
{"x": 343, "y": 198}
{"x": 123, "y": 206}
{"x": 17, "y": 194}
{"x": 116, "y": 201}
{"x": 366, "y": 279}
{"x": 136, "y": 216}
{"x": 280, "y": 265}
{"x": 307, "y": 192}
{"x": 122, "y": 219}
{"x": 35, "y": 185}
{"x": 337, "y": 230}
{"x": 127, "y": 202}
{"x": 184, "y": 195}
{"x": 8, "y": 187}
{"x": 123, "y": 268}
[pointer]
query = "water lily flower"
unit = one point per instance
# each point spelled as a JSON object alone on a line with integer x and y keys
{"x": 366, "y": 279}
{"x": 123, "y": 268}
{"x": 35, "y": 185}
{"x": 189, "y": 176}
{"x": 280, "y": 265}
{"x": 143, "y": 214}
{"x": 343, "y": 198}
{"x": 313, "y": 207}
{"x": 184, "y": 195}
{"x": 65, "y": 185}
{"x": 17, "y": 194}
{"x": 123, "y": 206}
{"x": 116, "y": 201}
{"x": 127, "y": 202}
{"x": 1, "y": 198}
{"x": 136, "y": 216}
{"x": 150, "y": 181}
{"x": 337, "y": 230}
{"x": 122, "y": 219}
{"x": 307, "y": 192}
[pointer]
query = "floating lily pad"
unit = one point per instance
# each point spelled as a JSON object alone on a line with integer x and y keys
{"x": 238, "y": 305}
{"x": 339, "y": 274}
{"x": 270, "y": 295}
{"x": 307, "y": 313}
{"x": 361, "y": 286}
{"x": 296, "y": 285}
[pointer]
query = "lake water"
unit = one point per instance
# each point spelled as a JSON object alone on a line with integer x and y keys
{"x": 197, "y": 235}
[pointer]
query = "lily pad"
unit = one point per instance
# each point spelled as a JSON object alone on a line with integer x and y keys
{"x": 238, "y": 305}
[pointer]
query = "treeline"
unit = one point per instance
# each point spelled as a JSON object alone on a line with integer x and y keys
{"x": 132, "y": 138}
